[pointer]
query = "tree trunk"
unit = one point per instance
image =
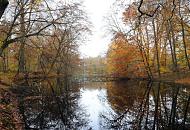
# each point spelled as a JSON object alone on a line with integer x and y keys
{"x": 184, "y": 44}
{"x": 156, "y": 46}
{"x": 3, "y": 6}
{"x": 183, "y": 36}
{"x": 144, "y": 56}
{"x": 171, "y": 40}
{"x": 5, "y": 61}
{"x": 174, "y": 46}
{"x": 156, "y": 109}
{"x": 22, "y": 63}
{"x": 186, "y": 112}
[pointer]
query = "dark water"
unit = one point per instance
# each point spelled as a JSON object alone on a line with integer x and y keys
{"x": 56, "y": 105}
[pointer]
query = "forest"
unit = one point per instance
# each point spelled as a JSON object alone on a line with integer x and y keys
{"x": 40, "y": 59}
{"x": 41, "y": 38}
{"x": 155, "y": 43}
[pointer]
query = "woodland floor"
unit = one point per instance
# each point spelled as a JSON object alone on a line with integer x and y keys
{"x": 10, "y": 119}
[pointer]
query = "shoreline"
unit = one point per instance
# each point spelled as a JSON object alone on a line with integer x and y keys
{"x": 181, "y": 78}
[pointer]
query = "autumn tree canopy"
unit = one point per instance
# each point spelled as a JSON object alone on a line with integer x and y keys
{"x": 124, "y": 59}
{"x": 160, "y": 31}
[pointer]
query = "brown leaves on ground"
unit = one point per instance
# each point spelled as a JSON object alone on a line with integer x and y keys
{"x": 10, "y": 119}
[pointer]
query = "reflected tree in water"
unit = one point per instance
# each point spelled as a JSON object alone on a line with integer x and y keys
{"x": 154, "y": 106}
{"x": 50, "y": 104}
{"x": 54, "y": 104}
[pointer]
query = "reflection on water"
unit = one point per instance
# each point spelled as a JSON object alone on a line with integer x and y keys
{"x": 50, "y": 104}
{"x": 95, "y": 103}
{"x": 149, "y": 106}
{"x": 55, "y": 104}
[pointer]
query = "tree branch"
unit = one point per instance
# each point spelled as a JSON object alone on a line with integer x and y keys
{"x": 144, "y": 13}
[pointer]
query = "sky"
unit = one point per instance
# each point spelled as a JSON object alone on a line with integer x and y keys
{"x": 97, "y": 43}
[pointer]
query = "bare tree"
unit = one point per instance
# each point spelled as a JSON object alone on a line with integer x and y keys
{"x": 39, "y": 19}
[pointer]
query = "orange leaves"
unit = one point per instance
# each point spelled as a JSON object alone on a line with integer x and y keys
{"x": 123, "y": 58}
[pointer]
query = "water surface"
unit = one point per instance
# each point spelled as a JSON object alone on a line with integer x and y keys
{"x": 53, "y": 104}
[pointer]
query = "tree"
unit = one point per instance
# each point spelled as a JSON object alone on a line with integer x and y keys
{"x": 3, "y": 6}
{"x": 38, "y": 19}
{"x": 160, "y": 31}
{"x": 124, "y": 59}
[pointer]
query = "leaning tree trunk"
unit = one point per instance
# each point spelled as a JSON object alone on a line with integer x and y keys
{"x": 3, "y": 6}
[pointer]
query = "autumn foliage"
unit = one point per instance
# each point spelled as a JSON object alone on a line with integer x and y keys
{"x": 157, "y": 32}
{"x": 123, "y": 59}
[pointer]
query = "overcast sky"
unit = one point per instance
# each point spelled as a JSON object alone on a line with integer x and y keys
{"x": 97, "y": 43}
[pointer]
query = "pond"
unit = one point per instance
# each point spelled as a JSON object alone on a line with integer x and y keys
{"x": 53, "y": 104}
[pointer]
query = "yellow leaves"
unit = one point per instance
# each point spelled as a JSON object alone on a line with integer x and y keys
{"x": 164, "y": 69}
